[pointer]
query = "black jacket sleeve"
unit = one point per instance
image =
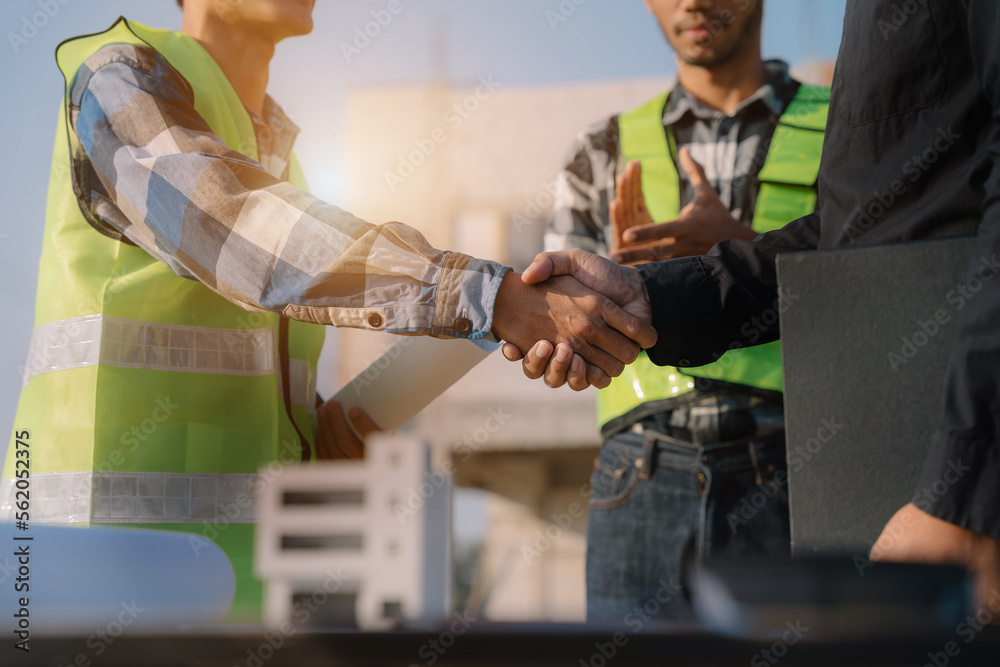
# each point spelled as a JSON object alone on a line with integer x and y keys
{"x": 961, "y": 477}
{"x": 704, "y": 306}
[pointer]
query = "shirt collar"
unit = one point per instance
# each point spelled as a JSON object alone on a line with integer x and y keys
{"x": 276, "y": 117}
{"x": 682, "y": 102}
{"x": 276, "y": 134}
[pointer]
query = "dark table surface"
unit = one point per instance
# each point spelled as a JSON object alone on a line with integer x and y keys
{"x": 504, "y": 644}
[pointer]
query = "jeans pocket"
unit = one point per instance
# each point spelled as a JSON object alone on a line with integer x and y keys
{"x": 614, "y": 479}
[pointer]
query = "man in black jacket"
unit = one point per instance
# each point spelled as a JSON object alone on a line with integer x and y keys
{"x": 912, "y": 152}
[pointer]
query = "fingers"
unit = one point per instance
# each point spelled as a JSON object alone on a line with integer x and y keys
{"x": 511, "y": 352}
{"x": 334, "y": 439}
{"x": 621, "y": 194}
{"x": 558, "y": 368}
{"x": 577, "y": 377}
{"x": 563, "y": 367}
{"x": 633, "y": 179}
{"x": 597, "y": 377}
{"x": 363, "y": 424}
{"x": 537, "y": 359}
{"x": 694, "y": 171}
{"x": 637, "y": 330}
{"x": 676, "y": 229}
{"x": 629, "y": 206}
{"x": 642, "y": 233}
{"x": 618, "y": 225}
{"x": 649, "y": 252}
{"x": 607, "y": 349}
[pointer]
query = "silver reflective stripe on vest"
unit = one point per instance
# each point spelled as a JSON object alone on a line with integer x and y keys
{"x": 302, "y": 383}
{"x": 135, "y": 497}
{"x": 125, "y": 343}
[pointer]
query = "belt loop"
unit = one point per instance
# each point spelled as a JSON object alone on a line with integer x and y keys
{"x": 645, "y": 464}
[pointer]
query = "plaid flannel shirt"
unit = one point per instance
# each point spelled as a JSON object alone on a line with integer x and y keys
{"x": 730, "y": 148}
{"x": 164, "y": 180}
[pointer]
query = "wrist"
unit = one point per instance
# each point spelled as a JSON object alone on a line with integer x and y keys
{"x": 505, "y": 306}
{"x": 639, "y": 285}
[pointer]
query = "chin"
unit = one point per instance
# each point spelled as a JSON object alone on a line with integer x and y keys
{"x": 279, "y": 18}
{"x": 282, "y": 26}
{"x": 699, "y": 57}
{"x": 295, "y": 29}
{"x": 295, "y": 18}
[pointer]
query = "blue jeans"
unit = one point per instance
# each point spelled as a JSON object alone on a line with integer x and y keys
{"x": 660, "y": 503}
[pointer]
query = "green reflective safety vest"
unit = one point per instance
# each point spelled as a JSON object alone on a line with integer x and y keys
{"x": 151, "y": 400}
{"x": 787, "y": 192}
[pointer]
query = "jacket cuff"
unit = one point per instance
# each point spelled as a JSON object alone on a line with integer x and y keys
{"x": 676, "y": 294}
{"x": 959, "y": 481}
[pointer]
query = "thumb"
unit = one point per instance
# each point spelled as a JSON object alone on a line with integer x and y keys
{"x": 548, "y": 264}
{"x": 539, "y": 270}
{"x": 618, "y": 283}
{"x": 511, "y": 352}
{"x": 694, "y": 171}
{"x": 618, "y": 225}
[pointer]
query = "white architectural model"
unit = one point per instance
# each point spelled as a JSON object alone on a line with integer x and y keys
{"x": 375, "y": 532}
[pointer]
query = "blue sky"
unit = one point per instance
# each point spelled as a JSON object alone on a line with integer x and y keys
{"x": 513, "y": 39}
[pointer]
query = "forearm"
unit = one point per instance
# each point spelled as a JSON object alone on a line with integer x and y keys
{"x": 965, "y": 451}
{"x": 174, "y": 188}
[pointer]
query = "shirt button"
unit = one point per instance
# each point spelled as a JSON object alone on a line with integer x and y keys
{"x": 684, "y": 363}
{"x": 375, "y": 321}
{"x": 463, "y": 325}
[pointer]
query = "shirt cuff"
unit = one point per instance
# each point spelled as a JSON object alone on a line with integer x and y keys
{"x": 959, "y": 481}
{"x": 466, "y": 296}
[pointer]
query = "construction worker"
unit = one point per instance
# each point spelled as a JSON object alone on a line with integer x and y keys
{"x": 185, "y": 270}
{"x": 733, "y": 150}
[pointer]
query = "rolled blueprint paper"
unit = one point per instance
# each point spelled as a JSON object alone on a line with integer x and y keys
{"x": 411, "y": 374}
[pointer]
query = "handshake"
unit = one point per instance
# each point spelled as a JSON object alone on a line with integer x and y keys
{"x": 574, "y": 317}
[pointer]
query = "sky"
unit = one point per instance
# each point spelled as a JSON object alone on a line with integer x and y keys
{"x": 520, "y": 42}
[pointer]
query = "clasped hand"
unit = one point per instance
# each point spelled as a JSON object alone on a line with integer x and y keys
{"x": 594, "y": 313}
{"x": 637, "y": 238}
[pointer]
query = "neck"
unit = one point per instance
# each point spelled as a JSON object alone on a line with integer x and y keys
{"x": 723, "y": 88}
{"x": 243, "y": 57}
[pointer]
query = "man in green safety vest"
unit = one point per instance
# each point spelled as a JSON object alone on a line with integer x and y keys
{"x": 185, "y": 269}
{"x": 693, "y": 461}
